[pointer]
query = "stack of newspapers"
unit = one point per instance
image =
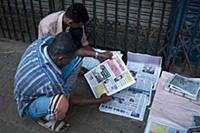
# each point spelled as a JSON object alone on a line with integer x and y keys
{"x": 183, "y": 86}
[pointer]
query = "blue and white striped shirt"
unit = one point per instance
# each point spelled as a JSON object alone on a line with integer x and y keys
{"x": 37, "y": 76}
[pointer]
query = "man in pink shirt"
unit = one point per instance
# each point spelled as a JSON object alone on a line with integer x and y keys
{"x": 72, "y": 21}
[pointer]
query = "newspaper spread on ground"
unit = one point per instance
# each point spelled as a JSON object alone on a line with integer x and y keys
{"x": 145, "y": 68}
{"x": 156, "y": 127}
{"x": 128, "y": 103}
{"x": 171, "y": 109}
{"x": 90, "y": 62}
{"x": 109, "y": 77}
{"x": 183, "y": 86}
{"x": 134, "y": 99}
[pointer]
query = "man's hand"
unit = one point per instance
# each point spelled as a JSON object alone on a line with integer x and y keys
{"x": 104, "y": 98}
{"x": 105, "y": 55}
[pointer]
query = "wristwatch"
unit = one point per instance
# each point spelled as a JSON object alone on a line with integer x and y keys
{"x": 96, "y": 54}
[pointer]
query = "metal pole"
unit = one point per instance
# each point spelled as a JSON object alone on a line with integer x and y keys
{"x": 126, "y": 26}
{"x": 138, "y": 24}
{"x": 149, "y": 27}
{"x": 116, "y": 21}
{"x": 175, "y": 30}
{"x": 19, "y": 21}
{"x": 160, "y": 28}
{"x": 40, "y": 6}
{"x": 33, "y": 16}
{"x": 105, "y": 23}
{"x": 94, "y": 22}
{"x": 5, "y": 18}
{"x": 2, "y": 29}
{"x": 26, "y": 19}
{"x": 12, "y": 20}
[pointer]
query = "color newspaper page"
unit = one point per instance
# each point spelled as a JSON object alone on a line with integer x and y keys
{"x": 109, "y": 77}
{"x": 156, "y": 127}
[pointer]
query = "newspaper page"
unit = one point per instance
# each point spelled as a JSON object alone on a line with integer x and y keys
{"x": 146, "y": 68}
{"x": 90, "y": 62}
{"x": 156, "y": 127}
{"x": 109, "y": 77}
{"x": 128, "y": 103}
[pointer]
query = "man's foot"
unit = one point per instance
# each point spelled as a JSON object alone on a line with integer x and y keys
{"x": 83, "y": 70}
{"x": 53, "y": 125}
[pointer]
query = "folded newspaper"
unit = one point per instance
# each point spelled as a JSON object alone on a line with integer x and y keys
{"x": 109, "y": 77}
{"x": 183, "y": 86}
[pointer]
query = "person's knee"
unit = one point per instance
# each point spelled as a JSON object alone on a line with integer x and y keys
{"x": 62, "y": 108}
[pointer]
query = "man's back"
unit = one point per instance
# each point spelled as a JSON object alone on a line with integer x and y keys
{"x": 35, "y": 76}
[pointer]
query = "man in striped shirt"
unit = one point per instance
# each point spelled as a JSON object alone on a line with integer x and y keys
{"x": 42, "y": 90}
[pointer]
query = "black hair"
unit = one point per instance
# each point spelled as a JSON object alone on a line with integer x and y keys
{"x": 62, "y": 45}
{"x": 77, "y": 34}
{"x": 77, "y": 12}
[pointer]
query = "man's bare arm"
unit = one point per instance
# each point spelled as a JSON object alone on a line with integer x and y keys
{"x": 88, "y": 51}
{"x": 77, "y": 100}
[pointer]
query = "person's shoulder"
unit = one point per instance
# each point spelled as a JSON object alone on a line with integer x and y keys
{"x": 54, "y": 14}
{"x": 42, "y": 40}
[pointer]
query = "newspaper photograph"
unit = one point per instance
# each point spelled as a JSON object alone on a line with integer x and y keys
{"x": 196, "y": 120}
{"x": 155, "y": 127}
{"x": 144, "y": 71}
{"x": 128, "y": 103}
{"x": 190, "y": 87}
{"x": 109, "y": 77}
{"x": 90, "y": 62}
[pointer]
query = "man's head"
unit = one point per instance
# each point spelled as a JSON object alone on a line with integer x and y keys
{"x": 62, "y": 49}
{"x": 76, "y": 15}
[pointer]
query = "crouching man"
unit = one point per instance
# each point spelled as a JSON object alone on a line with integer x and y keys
{"x": 42, "y": 89}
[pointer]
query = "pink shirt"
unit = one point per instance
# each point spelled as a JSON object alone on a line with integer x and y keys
{"x": 52, "y": 25}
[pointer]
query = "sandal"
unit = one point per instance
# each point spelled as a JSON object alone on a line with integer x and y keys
{"x": 53, "y": 125}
